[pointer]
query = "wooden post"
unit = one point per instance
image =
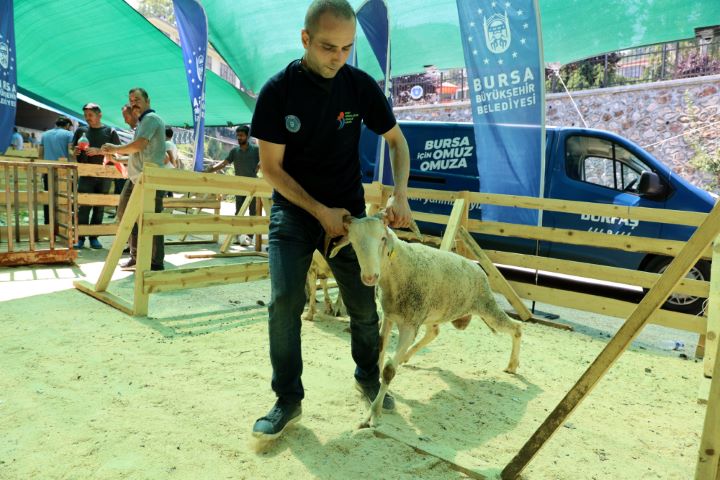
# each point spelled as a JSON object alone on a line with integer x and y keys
{"x": 31, "y": 206}
{"x": 713, "y": 309}
{"x": 9, "y": 209}
{"x": 128, "y": 220}
{"x": 144, "y": 250}
{"x": 456, "y": 216}
{"x": 494, "y": 275}
{"x": 708, "y": 456}
{"x": 657, "y": 295}
{"x": 243, "y": 208}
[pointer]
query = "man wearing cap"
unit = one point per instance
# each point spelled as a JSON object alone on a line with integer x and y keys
{"x": 97, "y": 135}
{"x": 147, "y": 147}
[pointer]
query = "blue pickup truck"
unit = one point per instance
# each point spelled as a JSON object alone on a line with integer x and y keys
{"x": 582, "y": 165}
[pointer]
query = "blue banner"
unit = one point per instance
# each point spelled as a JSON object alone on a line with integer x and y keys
{"x": 192, "y": 25}
{"x": 374, "y": 19}
{"x": 8, "y": 74}
{"x": 503, "y": 54}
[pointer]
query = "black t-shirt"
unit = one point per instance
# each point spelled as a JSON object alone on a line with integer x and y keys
{"x": 318, "y": 121}
{"x": 97, "y": 137}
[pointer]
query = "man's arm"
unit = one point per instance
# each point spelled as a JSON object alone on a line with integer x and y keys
{"x": 271, "y": 159}
{"x": 219, "y": 166}
{"x": 398, "y": 208}
{"x": 134, "y": 147}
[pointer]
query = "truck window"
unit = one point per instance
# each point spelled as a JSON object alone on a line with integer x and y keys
{"x": 601, "y": 162}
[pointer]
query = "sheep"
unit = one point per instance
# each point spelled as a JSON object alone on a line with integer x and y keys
{"x": 320, "y": 270}
{"x": 420, "y": 285}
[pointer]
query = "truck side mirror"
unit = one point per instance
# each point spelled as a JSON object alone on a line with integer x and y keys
{"x": 650, "y": 185}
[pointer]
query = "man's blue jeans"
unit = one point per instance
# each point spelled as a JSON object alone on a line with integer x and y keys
{"x": 293, "y": 237}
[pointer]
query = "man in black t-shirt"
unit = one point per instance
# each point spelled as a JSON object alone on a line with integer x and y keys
{"x": 97, "y": 135}
{"x": 307, "y": 120}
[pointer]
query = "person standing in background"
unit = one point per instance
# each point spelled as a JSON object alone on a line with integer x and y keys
{"x": 96, "y": 134}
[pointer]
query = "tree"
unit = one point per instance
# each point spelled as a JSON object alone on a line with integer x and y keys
{"x": 162, "y": 9}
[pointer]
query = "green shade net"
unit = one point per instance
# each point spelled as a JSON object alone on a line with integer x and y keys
{"x": 73, "y": 52}
{"x": 258, "y": 39}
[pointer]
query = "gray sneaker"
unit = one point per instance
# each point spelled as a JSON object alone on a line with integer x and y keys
{"x": 370, "y": 392}
{"x": 272, "y": 425}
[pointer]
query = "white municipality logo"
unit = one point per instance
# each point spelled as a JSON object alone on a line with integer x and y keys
{"x": 4, "y": 55}
{"x": 199, "y": 65}
{"x": 497, "y": 32}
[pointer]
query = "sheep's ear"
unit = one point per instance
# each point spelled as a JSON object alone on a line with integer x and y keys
{"x": 344, "y": 241}
{"x": 382, "y": 215}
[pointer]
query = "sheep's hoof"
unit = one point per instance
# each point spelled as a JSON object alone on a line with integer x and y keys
{"x": 365, "y": 424}
{"x": 511, "y": 369}
{"x": 308, "y": 317}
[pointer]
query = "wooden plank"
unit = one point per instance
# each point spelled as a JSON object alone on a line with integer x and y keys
{"x": 697, "y": 288}
{"x": 106, "y": 297}
{"x": 578, "y": 237}
{"x": 167, "y": 223}
{"x": 184, "y": 181}
{"x": 209, "y": 203}
{"x": 97, "y": 230}
{"x": 657, "y": 295}
{"x": 32, "y": 206}
{"x": 709, "y": 451}
{"x": 440, "y": 453}
{"x": 130, "y": 216}
{"x": 494, "y": 276}
{"x": 606, "y": 306}
{"x": 180, "y": 279}
{"x": 227, "y": 255}
{"x": 660, "y": 215}
{"x": 93, "y": 170}
{"x": 240, "y": 213}
{"x": 431, "y": 218}
{"x": 9, "y": 211}
{"x": 456, "y": 216}
{"x": 144, "y": 250}
{"x": 52, "y": 207}
{"x": 713, "y": 313}
{"x": 62, "y": 255}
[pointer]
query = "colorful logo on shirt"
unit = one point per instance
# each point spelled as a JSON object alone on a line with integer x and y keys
{"x": 292, "y": 123}
{"x": 345, "y": 118}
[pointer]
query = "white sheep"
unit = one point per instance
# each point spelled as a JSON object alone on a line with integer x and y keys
{"x": 420, "y": 285}
{"x": 320, "y": 271}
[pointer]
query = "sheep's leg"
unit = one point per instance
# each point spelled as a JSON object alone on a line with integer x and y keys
{"x": 339, "y": 309}
{"x": 405, "y": 338}
{"x": 326, "y": 293}
{"x": 498, "y": 320}
{"x": 431, "y": 331}
{"x": 311, "y": 293}
{"x": 386, "y": 324}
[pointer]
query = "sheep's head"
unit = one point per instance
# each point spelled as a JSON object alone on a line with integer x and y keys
{"x": 372, "y": 241}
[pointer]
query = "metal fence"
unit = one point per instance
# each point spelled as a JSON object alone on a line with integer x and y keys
{"x": 682, "y": 59}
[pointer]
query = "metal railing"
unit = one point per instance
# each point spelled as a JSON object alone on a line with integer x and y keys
{"x": 668, "y": 61}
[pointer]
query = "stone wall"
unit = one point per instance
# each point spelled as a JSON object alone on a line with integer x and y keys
{"x": 669, "y": 119}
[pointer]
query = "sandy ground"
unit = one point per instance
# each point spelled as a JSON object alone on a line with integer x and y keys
{"x": 88, "y": 392}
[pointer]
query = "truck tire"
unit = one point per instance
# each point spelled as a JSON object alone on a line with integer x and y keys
{"x": 678, "y": 302}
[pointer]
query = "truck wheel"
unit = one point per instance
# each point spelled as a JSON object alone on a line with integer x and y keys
{"x": 679, "y": 302}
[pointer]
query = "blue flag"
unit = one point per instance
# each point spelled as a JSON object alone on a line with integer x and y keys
{"x": 8, "y": 74}
{"x": 374, "y": 19}
{"x": 192, "y": 25}
{"x": 503, "y": 54}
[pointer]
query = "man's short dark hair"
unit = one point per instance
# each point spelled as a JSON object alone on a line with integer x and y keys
{"x": 338, "y": 8}
{"x": 168, "y": 132}
{"x": 142, "y": 92}
{"x": 62, "y": 122}
{"x": 243, "y": 128}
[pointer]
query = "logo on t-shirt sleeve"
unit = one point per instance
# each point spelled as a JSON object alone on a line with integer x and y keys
{"x": 292, "y": 123}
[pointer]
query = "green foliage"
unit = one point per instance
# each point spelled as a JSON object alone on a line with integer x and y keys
{"x": 214, "y": 149}
{"x": 162, "y": 9}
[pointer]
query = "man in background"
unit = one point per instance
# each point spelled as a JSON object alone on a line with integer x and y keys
{"x": 246, "y": 162}
{"x": 56, "y": 144}
{"x": 97, "y": 135}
